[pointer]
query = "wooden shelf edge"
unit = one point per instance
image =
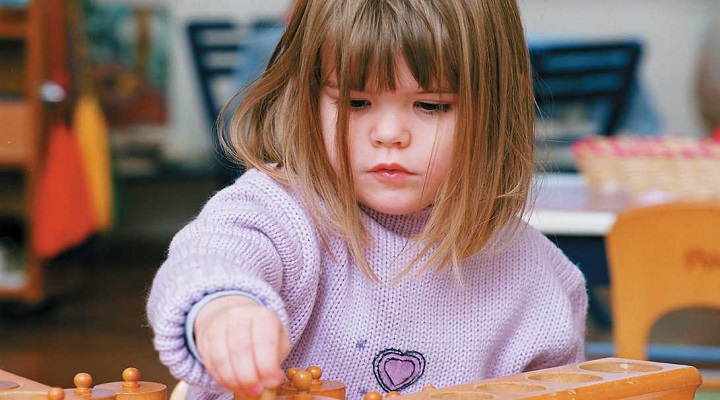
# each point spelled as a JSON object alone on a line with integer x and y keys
{"x": 17, "y": 143}
{"x": 19, "y": 292}
{"x": 13, "y": 23}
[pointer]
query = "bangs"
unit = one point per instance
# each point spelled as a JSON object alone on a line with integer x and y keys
{"x": 379, "y": 34}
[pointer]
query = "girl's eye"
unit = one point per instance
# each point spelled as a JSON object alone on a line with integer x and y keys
{"x": 358, "y": 104}
{"x": 433, "y": 107}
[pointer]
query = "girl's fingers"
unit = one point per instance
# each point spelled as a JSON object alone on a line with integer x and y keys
{"x": 225, "y": 354}
{"x": 284, "y": 348}
{"x": 239, "y": 349}
{"x": 216, "y": 360}
{"x": 242, "y": 349}
{"x": 266, "y": 340}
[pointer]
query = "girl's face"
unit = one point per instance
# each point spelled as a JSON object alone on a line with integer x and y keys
{"x": 400, "y": 142}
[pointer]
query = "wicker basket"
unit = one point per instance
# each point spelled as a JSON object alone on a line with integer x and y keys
{"x": 662, "y": 168}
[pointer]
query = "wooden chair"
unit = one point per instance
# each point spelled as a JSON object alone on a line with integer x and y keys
{"x": 661, "y": 259}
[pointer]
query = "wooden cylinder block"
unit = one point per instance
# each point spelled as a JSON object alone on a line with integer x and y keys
{"x": 132, "y": 388}
{"x": 84, "y": 390}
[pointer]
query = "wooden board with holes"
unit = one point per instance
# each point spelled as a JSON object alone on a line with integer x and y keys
{"x": 604, "y": 379}
{"x": 14, "y": 387}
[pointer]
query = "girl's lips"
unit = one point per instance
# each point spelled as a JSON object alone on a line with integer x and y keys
{"x": 390, "y": 173}
{"x": 389, "y": 169}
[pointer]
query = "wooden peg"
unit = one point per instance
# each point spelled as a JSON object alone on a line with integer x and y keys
{"x": 318, "y": 386}
{"x": 302, "y": 381}
{"x": 428, "y": 387}
{"x": 392, "y": 393}
{"x": 269, "y": 394}
{"x": 132, "y": 388}
{"x": 291, "y": 372}
{"x": 83, "y": 381}
{"x": 83, "y": 390}
{"x": 372, "y": 395}
{"x": 316, "y": 374}
{"x": 56, "y": 393}
{"x": 130, "y": 377}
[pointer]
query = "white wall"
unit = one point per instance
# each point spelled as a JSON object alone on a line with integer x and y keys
{"x": 670, "y": 29}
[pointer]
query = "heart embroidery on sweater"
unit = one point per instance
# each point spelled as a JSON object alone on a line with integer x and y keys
{"x": 395, "y": 369}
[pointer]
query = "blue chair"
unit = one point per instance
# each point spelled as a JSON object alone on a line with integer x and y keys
{"x": 226, "y": 57}
{"x": 581, "y": 88}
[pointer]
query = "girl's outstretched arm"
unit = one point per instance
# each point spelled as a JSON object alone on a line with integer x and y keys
{"x": 254, "y": 239}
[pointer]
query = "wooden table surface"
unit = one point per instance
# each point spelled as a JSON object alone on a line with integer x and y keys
{"x": 563, "y": 204}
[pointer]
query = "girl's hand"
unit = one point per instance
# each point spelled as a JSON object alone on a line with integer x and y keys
{"x": 241, "y": 343}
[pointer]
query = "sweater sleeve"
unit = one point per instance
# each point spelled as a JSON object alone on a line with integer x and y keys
{"x": 576, "y": 292}
{"x": 568, "y": 346}
{"x": 253, "y": 237}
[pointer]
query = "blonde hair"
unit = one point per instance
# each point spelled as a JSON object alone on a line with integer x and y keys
{"x": 477, "y": 47}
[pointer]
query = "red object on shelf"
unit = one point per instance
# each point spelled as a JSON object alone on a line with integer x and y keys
{"x": 715, "y": 135}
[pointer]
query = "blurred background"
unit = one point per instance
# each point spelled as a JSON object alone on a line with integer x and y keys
{"x": 107, "y": 148}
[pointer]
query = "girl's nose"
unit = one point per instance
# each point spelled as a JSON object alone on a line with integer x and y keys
{"x": 390, "y": 130}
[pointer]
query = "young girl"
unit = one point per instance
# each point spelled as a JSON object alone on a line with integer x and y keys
{"x": 377, "y": 231}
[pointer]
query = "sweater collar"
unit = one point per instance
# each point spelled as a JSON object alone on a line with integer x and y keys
{"x": 406, "y": 225}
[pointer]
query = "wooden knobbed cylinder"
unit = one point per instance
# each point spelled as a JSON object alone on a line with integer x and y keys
{"x": 84, "y": 390}
{"x": 318, "y": 386}
{"x": 56, "y": 393}
{"x": 132, "y": 388}
{"x": 302, "y": 384}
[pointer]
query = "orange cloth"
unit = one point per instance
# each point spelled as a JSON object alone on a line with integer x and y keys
{"x": 62, "y": 211}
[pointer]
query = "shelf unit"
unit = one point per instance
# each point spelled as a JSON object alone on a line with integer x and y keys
{"x": 21, "y": 134}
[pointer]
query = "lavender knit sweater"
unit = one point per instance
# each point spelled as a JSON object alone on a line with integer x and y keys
{"x": 520, "y": 306}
